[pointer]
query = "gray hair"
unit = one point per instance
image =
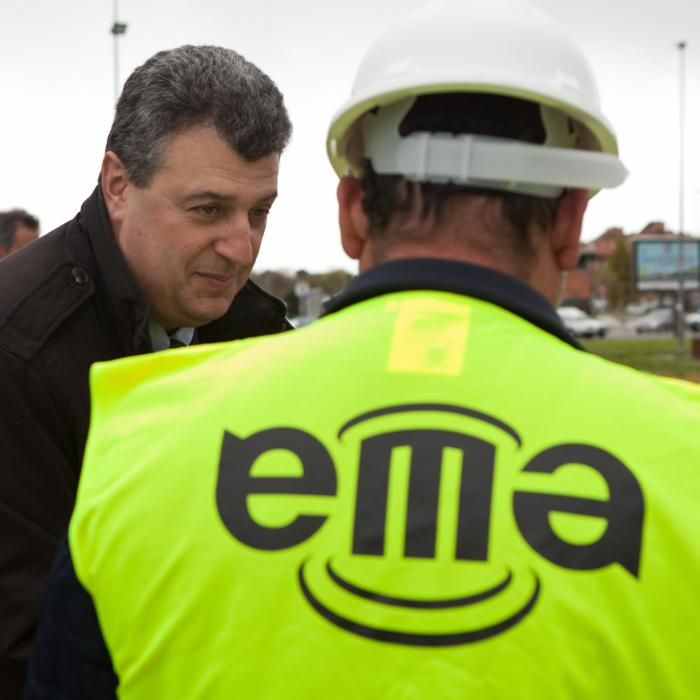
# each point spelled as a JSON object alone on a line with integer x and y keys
{"x": 196, "y": 86}
{"x": 9, "y": 220}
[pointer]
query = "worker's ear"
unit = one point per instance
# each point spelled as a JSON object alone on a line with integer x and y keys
{"x": 566, "y": 228}
{"x": 115, "y": 183}
{"x": 351, "y": 217}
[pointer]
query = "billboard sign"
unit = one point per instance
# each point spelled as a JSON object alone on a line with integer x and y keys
{"x": 656, "y": 264}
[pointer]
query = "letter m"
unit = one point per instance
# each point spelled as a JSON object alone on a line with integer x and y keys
{"x": 426, "y": 448}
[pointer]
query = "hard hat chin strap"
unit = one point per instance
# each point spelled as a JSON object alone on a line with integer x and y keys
{"x": 483, "y": 161}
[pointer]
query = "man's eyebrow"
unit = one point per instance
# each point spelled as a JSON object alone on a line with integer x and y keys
{"x": 219, "y": 197}
{"x": 210, "y": 195}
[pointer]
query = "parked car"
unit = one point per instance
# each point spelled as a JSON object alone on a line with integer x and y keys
{"x": 638, "y": 309}
{"x": 692, "y": 320}
{"x": 656, "y": 321}
{"x": 580, "y": 324}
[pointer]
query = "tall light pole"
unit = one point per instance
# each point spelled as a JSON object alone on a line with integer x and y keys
{"x": 680, "y": 306}
{"x": 118, "y": 28}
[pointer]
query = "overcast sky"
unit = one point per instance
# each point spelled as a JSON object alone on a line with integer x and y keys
{"x": 57, "y": 86}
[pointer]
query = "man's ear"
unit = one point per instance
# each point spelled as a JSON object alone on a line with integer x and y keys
{"x": 351, "y": 217}
{"x": 114, "y": 180}
{"x": 566, "y": 229}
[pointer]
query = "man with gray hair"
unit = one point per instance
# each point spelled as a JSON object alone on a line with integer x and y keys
{"x": 17, "y": 229}
{"x": 159, "y": 256}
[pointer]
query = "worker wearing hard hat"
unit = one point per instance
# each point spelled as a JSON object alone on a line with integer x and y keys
{"x": 432, "y": 492}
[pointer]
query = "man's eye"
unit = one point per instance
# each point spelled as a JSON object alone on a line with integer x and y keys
{"x": 208, "y": 210}
{"x": 260, "y": 212}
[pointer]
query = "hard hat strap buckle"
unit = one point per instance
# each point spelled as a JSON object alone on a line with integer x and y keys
{"x": 482, "y": 161}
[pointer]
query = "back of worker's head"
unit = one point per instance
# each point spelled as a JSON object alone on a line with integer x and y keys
{"x": 436, "y": 209}
{"x": 469, "y": 122}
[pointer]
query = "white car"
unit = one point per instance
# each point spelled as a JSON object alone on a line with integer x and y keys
{"x": 692, "y": 320}
{"x": 655, "y": 321}
{"x": 580, "y": 324}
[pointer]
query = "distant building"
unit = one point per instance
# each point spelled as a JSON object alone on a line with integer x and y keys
{"x": 587, "y": 285}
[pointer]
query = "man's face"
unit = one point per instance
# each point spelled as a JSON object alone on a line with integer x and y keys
{"x": 192, "y": 234}
{"x": 23, "y": 236}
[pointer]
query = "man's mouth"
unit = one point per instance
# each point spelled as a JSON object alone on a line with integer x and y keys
{"x": 216, "y": 279}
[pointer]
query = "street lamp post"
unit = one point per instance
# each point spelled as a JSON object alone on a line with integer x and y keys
{"x": 680, "y": 306}
{"x": 118, "y": 28}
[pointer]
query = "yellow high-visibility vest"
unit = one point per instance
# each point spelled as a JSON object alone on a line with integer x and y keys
{"x": 421, "y": 496}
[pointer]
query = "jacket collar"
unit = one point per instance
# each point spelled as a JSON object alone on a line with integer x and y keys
{"x": 253, "y": 312}
{"x": 458, "y": 278}
{"x": 114, "y": 281}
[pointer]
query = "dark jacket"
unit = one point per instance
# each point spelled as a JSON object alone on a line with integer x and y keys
{"x": 66, "y": 301}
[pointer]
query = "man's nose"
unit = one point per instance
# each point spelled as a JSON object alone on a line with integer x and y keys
{"x": 235, "y": 241}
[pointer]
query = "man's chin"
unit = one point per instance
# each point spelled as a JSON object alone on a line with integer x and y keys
{"x": 203, "y": 315}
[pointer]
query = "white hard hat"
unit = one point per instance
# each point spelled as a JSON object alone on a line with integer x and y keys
{"x": 499, "y": 47}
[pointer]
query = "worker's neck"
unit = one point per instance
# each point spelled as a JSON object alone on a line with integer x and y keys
{"x": 539, "y": 273}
